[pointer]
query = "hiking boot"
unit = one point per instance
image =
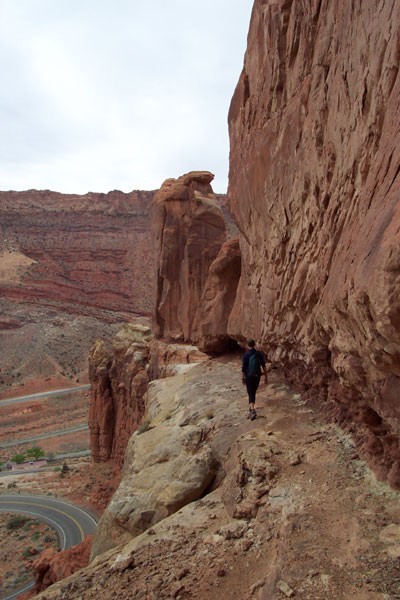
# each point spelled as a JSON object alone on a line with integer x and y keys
{"x": 253, "y": 415}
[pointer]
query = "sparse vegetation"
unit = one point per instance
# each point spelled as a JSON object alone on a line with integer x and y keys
{"x": 16, "y": 521}
{"x": 145, "y": 426}
{"x": 35, "y": 452}
{"x": 18, "y": 458}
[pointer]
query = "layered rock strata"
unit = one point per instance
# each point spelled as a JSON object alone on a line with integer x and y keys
{"x": 85, "y": 252}
{"x": 189, "y": 230}
{"x": 314, "y": 187}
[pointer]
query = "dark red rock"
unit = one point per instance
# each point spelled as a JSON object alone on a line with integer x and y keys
{"x": 211, "y": 324}
{"x": 119, "y": 379}
{"x": 189, "y": 230}
{"x": 86, "y": 251}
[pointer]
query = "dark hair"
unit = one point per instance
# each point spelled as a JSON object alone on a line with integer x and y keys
{"x": 251, "y": 343}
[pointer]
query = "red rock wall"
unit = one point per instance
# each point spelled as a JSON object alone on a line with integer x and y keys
{"x": 54, "y": 565}
{"x": 189, "y": 230}
{"x": 314, "y": 187}
{"x": 89, "y": 250}
{"x": 119, "y": 379}
{"x": 211, "y": 322}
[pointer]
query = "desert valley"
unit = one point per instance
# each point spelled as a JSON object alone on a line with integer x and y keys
{"x": 124, "y": 317}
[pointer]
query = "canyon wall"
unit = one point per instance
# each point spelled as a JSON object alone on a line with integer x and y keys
{"x": 314, "y": 188}
{"x": 119, "y": 379}
{"x": 81, "y": 252}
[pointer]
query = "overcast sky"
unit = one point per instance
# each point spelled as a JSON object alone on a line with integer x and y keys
{"x": 99, "y": 95}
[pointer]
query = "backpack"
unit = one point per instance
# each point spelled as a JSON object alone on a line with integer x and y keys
{"x": 253, "y": 369}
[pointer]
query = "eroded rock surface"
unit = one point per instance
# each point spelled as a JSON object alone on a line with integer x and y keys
{"x": 213, "y": 313}
{"x": 189, "y": 231}
{"x": 119, "y": 379}
{"x": 119, "y": 374}
{"x": 314, "y": 187}
{"x": 83, "y": 252}
{"x": 286, "y": 481}
{"x": 53, "y": 565}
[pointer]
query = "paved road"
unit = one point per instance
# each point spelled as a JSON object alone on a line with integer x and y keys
{"x": 70, "y": 522}
{"x": 35, "y": 438}
{"x": 61, "y": 392}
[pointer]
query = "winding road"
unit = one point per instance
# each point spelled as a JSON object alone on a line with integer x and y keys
{"x": 70, "y": 522}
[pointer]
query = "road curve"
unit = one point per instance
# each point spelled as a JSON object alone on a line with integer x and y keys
{"x": 38, "y": 396}
{"x": 71, "y": 522}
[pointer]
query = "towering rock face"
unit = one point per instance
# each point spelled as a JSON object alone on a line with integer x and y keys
{"x": 119, "y": 380}
{"x": 83, "y": 252}
{"x": 314, "y": 187}
{"x": 189, "y": 231}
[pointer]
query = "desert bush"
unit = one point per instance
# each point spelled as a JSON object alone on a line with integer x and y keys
{"x": 18, "y": 458}
{"x": 145, "y": 426}
{"x": 16, "y": 521}
{"x": 35, "y": 452}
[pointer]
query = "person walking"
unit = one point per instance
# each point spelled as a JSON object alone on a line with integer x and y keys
{"x": 252, "y": 364}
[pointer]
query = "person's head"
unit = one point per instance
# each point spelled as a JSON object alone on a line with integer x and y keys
{"x": 251, "y": 343}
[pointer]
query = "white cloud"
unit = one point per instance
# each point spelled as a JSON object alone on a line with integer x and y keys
{"x": 116, "y": 94}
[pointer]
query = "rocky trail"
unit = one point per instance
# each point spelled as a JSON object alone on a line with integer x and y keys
{"x": 293, "y": 512}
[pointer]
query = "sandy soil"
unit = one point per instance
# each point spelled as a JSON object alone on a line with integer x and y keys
{"x": 40, "y": 343}
{"x": 37, "y": 417}
{"x": 22, "y": 539}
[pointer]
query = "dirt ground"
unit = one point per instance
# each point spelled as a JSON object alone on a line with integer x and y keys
{"x": 39, "y": 417}
{"x": 310, "y": 521}
{"x": 22, "y": 540}
{"x": 48, "y": 344}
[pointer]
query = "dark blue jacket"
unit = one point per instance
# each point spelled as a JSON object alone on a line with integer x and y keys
{"x": 245, "y": 360}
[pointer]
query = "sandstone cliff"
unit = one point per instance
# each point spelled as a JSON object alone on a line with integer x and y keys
{"x": 84, "y": 252}
{"x": 119, "y": 379}
{"x": 119, "y": 375}
{"x": 314, "y": 187}
{"x": 189, "y": 230}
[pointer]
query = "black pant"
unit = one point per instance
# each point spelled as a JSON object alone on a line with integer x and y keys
{"x": 252, "y": 384}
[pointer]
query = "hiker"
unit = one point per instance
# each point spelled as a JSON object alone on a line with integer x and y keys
{"x": 252, "y": 364}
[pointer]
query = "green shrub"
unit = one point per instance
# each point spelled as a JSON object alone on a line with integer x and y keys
{"x": 16, "y": 521}
{"x": 145, "y": 426}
